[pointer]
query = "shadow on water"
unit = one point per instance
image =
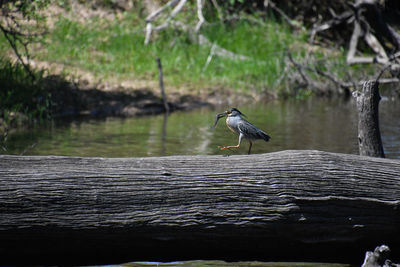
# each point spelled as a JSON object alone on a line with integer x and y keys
{"x": 321, "y": 124}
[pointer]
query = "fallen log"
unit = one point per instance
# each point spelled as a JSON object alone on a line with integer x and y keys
{"x": 289, "y": 205}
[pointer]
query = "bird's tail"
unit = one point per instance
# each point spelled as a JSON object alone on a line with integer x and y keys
{"x": 265, "y": 136}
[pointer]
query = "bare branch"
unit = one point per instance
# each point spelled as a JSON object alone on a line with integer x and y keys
{"x": 177, "y": 9}
{"x": 346, "y": 17}
{"x": 13, "y": 39}
{"x": 199, "y": 15}
{"x": 219, "y": 51}
{"x": 156, "y": 13}
{"x": 298, "y": 67}
{"x": 382, "y": 71}
{"x": 219, "y": 11}
{"x": 283, "y": 15}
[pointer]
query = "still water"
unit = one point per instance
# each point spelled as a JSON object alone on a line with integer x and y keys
{"x": 322, "y": 124}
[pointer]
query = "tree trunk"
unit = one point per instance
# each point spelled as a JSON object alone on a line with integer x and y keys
{"x": 369, "y": 136}
{"x": 282, "y": 206}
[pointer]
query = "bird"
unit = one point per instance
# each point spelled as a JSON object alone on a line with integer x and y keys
{"x": 237, "y": 124}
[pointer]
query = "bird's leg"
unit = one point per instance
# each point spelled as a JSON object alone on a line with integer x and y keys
{"x": 250, "y": 146}
{"x": 237, "y": 146}
{"x": 228, "y": 147}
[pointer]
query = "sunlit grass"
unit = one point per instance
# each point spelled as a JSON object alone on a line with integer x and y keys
{"x": 116, "y": 49}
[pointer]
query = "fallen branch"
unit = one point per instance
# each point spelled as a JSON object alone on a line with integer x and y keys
{"x": 193, "y": 32}
{"x": 346, "y": 17}
{"x": 370, "y": 26}
{"x": 346, "y": 86}
{"x": 155, "y": 14}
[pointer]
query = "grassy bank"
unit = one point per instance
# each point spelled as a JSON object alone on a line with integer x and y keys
{"x": 113, "y": 49}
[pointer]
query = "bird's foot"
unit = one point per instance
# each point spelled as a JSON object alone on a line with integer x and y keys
{"x": 227, "y": 147}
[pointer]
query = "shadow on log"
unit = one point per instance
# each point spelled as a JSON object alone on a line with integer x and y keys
{"x": 282, "y": 206}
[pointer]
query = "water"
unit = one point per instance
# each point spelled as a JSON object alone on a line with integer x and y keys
{"x": 322, "y": 124}
{"x": 233, "y": 264}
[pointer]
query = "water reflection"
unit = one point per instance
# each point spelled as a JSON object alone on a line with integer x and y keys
{"x": 322, "y": 124}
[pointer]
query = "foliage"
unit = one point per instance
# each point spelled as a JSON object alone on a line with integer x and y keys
{"x": 21, "y": 23}
{"x": 20, "y": 95}
{"x": 21, "y": 90}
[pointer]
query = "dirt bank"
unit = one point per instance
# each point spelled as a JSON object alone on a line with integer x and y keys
{"x": 82, "y": 93}
{"x": 83, "y": 98}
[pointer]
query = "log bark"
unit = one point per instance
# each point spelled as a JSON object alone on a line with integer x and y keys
{"x": 378, "y": 258}
{"x": 369, "y": 135}
{"x": 290, "y": 205}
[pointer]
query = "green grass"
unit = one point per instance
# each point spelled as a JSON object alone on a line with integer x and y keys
{"x": 116, "y": 49}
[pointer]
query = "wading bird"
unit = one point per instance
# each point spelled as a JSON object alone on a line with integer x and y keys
{"x": 237, "y": 124}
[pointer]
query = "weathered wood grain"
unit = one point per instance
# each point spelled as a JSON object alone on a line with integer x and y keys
{"x": 289, "y": 205}
{"x": 369, "y": 135}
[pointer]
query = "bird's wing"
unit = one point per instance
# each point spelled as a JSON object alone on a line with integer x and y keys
{"x": 247, "y": 129}
{"x": 252, "y": 132}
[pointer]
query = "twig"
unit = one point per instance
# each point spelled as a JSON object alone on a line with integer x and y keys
{"x": 219, "y": 11}
{"x": 12, "y": 39}
{"x": 210, "y": 56}
{"x": 331, "y": 78}
{"x": 280, "y": 11}
{"x": 298, "y": 67}
{"x": 381, "y": 72}
{"x": 156, "y": 13}
{"x": 160, "y": 75}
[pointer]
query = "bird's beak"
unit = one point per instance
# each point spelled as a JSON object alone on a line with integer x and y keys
{"x": 221, "y": 115}
{"x": 217, "y": 117}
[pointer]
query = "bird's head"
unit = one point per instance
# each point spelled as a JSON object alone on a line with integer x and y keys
{"x": 234, "y": 112}
{"x": 230, "y": 113}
